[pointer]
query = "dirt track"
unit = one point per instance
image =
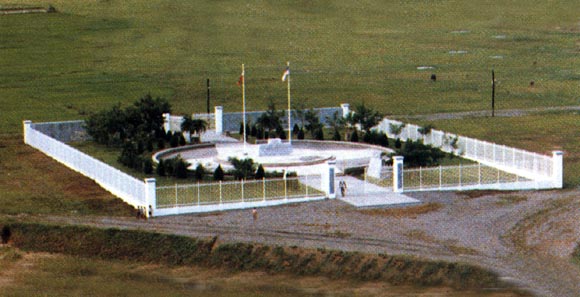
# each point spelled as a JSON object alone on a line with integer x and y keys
{"x": 527, "y": 237}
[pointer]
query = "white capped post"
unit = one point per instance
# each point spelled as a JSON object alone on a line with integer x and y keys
{"x": 398, "y": 174}
{"x": 558, "y": 169}
{"x": 219, "y": 119}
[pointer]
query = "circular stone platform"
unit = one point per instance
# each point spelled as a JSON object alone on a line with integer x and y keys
{"x": 305, "y": 155}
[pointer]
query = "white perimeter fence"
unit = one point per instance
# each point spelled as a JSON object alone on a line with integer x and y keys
{"x": 120, "y": 184}
{"x": 178, "y": 199}
{"x": 184, "y": 198}
{"x": 544, "y": 171}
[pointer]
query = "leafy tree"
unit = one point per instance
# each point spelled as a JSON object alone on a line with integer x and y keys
{"x": 182, "y": 141}
{"x": 260, "y": 173}
{"x": 174, "y": 140}
{"x": 366, "y": 117}
{"x": 425, "y": 130}
{"x": 270, "y": 119}
{"x": 312, "y": 122}
{"x": 254, "y": 131}
{"x": 218, "y": 173}
{"x": 194, "y": 126}
{"x": 396, "y": 129}
{"x": 337, "y": 122}
{"x": 243, "y": 168}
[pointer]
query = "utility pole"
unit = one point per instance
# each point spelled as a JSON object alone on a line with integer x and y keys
{"x": 492, "y": 93}
{"x": 208, "y": 95}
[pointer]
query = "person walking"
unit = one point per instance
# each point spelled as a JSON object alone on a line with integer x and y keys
{"x": 342, "y": 185}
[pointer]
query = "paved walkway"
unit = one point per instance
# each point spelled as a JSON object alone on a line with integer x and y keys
{"x": 367, "y": 195}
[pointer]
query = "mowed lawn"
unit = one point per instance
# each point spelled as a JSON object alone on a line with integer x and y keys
{"x": 93, "y": 54}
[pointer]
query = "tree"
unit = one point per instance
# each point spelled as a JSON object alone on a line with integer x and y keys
{"x": 270, "y": 119}
{"x": 147, "y": 166}
{"x": 6, "y": 234}
{"x": 319, "y": 135}
{"x": 396, "y": 129}
{"x": 398, "y": 143}
{"x": 243, "y": 168}
{"x": 180, "y": 167}
{"x": 300, "y": 134}
{"x": 337, "y": 122}
{"x": 218, "y": 173}
{"x": 366, "y": 117}
{"x": 312, "y": 122}
{"x": 194, "y": 126}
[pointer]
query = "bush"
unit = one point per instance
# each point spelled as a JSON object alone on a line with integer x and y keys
{"x": 319, "y": 135}
{"x": 295, "y": 129}
{"x": 398, "y": 143}
{"x": 6, "y": 234}
{"x": 260, "y": 173}
{"x": 147, "y": 166}
{"x": 301, "y": 134}
{"x": 336, "y": 136}
{"x": 160, "y": 170}
{"x": 174, "y": 142}
{"x": 218, "y": 173}
{"x": 182, "y": 141}
{"x": 354, "y": 136}
{"x": 180, "y": 168}
{"x": 199, "y": 172}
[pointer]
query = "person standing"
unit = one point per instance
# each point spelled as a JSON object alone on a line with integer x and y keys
{"x": 255, "y": 214}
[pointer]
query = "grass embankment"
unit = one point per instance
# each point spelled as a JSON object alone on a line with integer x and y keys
{"x": 183, "y": 251}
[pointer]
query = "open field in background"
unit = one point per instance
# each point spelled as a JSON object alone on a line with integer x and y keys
{"x": 93, "y": 54}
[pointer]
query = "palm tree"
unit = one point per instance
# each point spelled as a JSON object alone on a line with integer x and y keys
{"x": 195, "y": 126}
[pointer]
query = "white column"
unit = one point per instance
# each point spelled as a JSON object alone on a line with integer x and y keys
{"x": 558, "y": 169}
{"x": 219, "y": 119}
{"x": 327, "y": 179}
{"x": 398, "y": 174}
{"x": 26, "y": 126}
{"x": 345, "y": 109}
{"x": 166, "y": 122}
{"x": 150, "y": 196}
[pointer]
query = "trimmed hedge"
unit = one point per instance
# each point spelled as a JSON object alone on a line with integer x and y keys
{"x": 135, "y": 245}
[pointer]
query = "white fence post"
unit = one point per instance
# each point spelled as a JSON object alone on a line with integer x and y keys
{"x": 26, "y": 127}
{"x": 220, "y": 192}
{"x": 558, "y": 169}
{"x": 242, "y": 185}
{"x": 398, "y": 183}
{"x": 219, "y": 119}
{"x": 150, "y": 196}
{"x": 264, "y": 188}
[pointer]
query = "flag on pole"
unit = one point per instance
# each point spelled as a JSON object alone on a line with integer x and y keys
{"x": 241, "y": 80}
{"x": 286, "y": 73}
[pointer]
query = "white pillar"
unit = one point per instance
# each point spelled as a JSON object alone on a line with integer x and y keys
{"x": 398, "y": 174}
{"x": 26, "y": 126}
{"x": 558, "y": 169}
{"x": 219, "y": 119}
{"x": 150, "y": 196}
{"x": 345, "y": 109}
{"x": 327, "y": 179}
{"x": 166, "y": 122}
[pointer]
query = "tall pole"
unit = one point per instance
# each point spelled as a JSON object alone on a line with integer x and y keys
{"x": 492, "y": 93}
{"x": 208, "y": 95}
{"x": 244, "y": 105}
{"x": 289, "y": 108}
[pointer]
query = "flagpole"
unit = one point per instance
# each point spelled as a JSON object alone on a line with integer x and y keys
{"x": 289, "y": 115}
{"x": 244, "y": 105}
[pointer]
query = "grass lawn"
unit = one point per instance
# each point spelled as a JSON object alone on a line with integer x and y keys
{"x": 93, "y": 54}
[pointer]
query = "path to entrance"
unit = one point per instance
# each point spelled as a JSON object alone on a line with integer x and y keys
{"x": 362, "y": 194}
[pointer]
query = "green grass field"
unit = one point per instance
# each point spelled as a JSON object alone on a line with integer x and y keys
{"x": 93, "y": 54}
